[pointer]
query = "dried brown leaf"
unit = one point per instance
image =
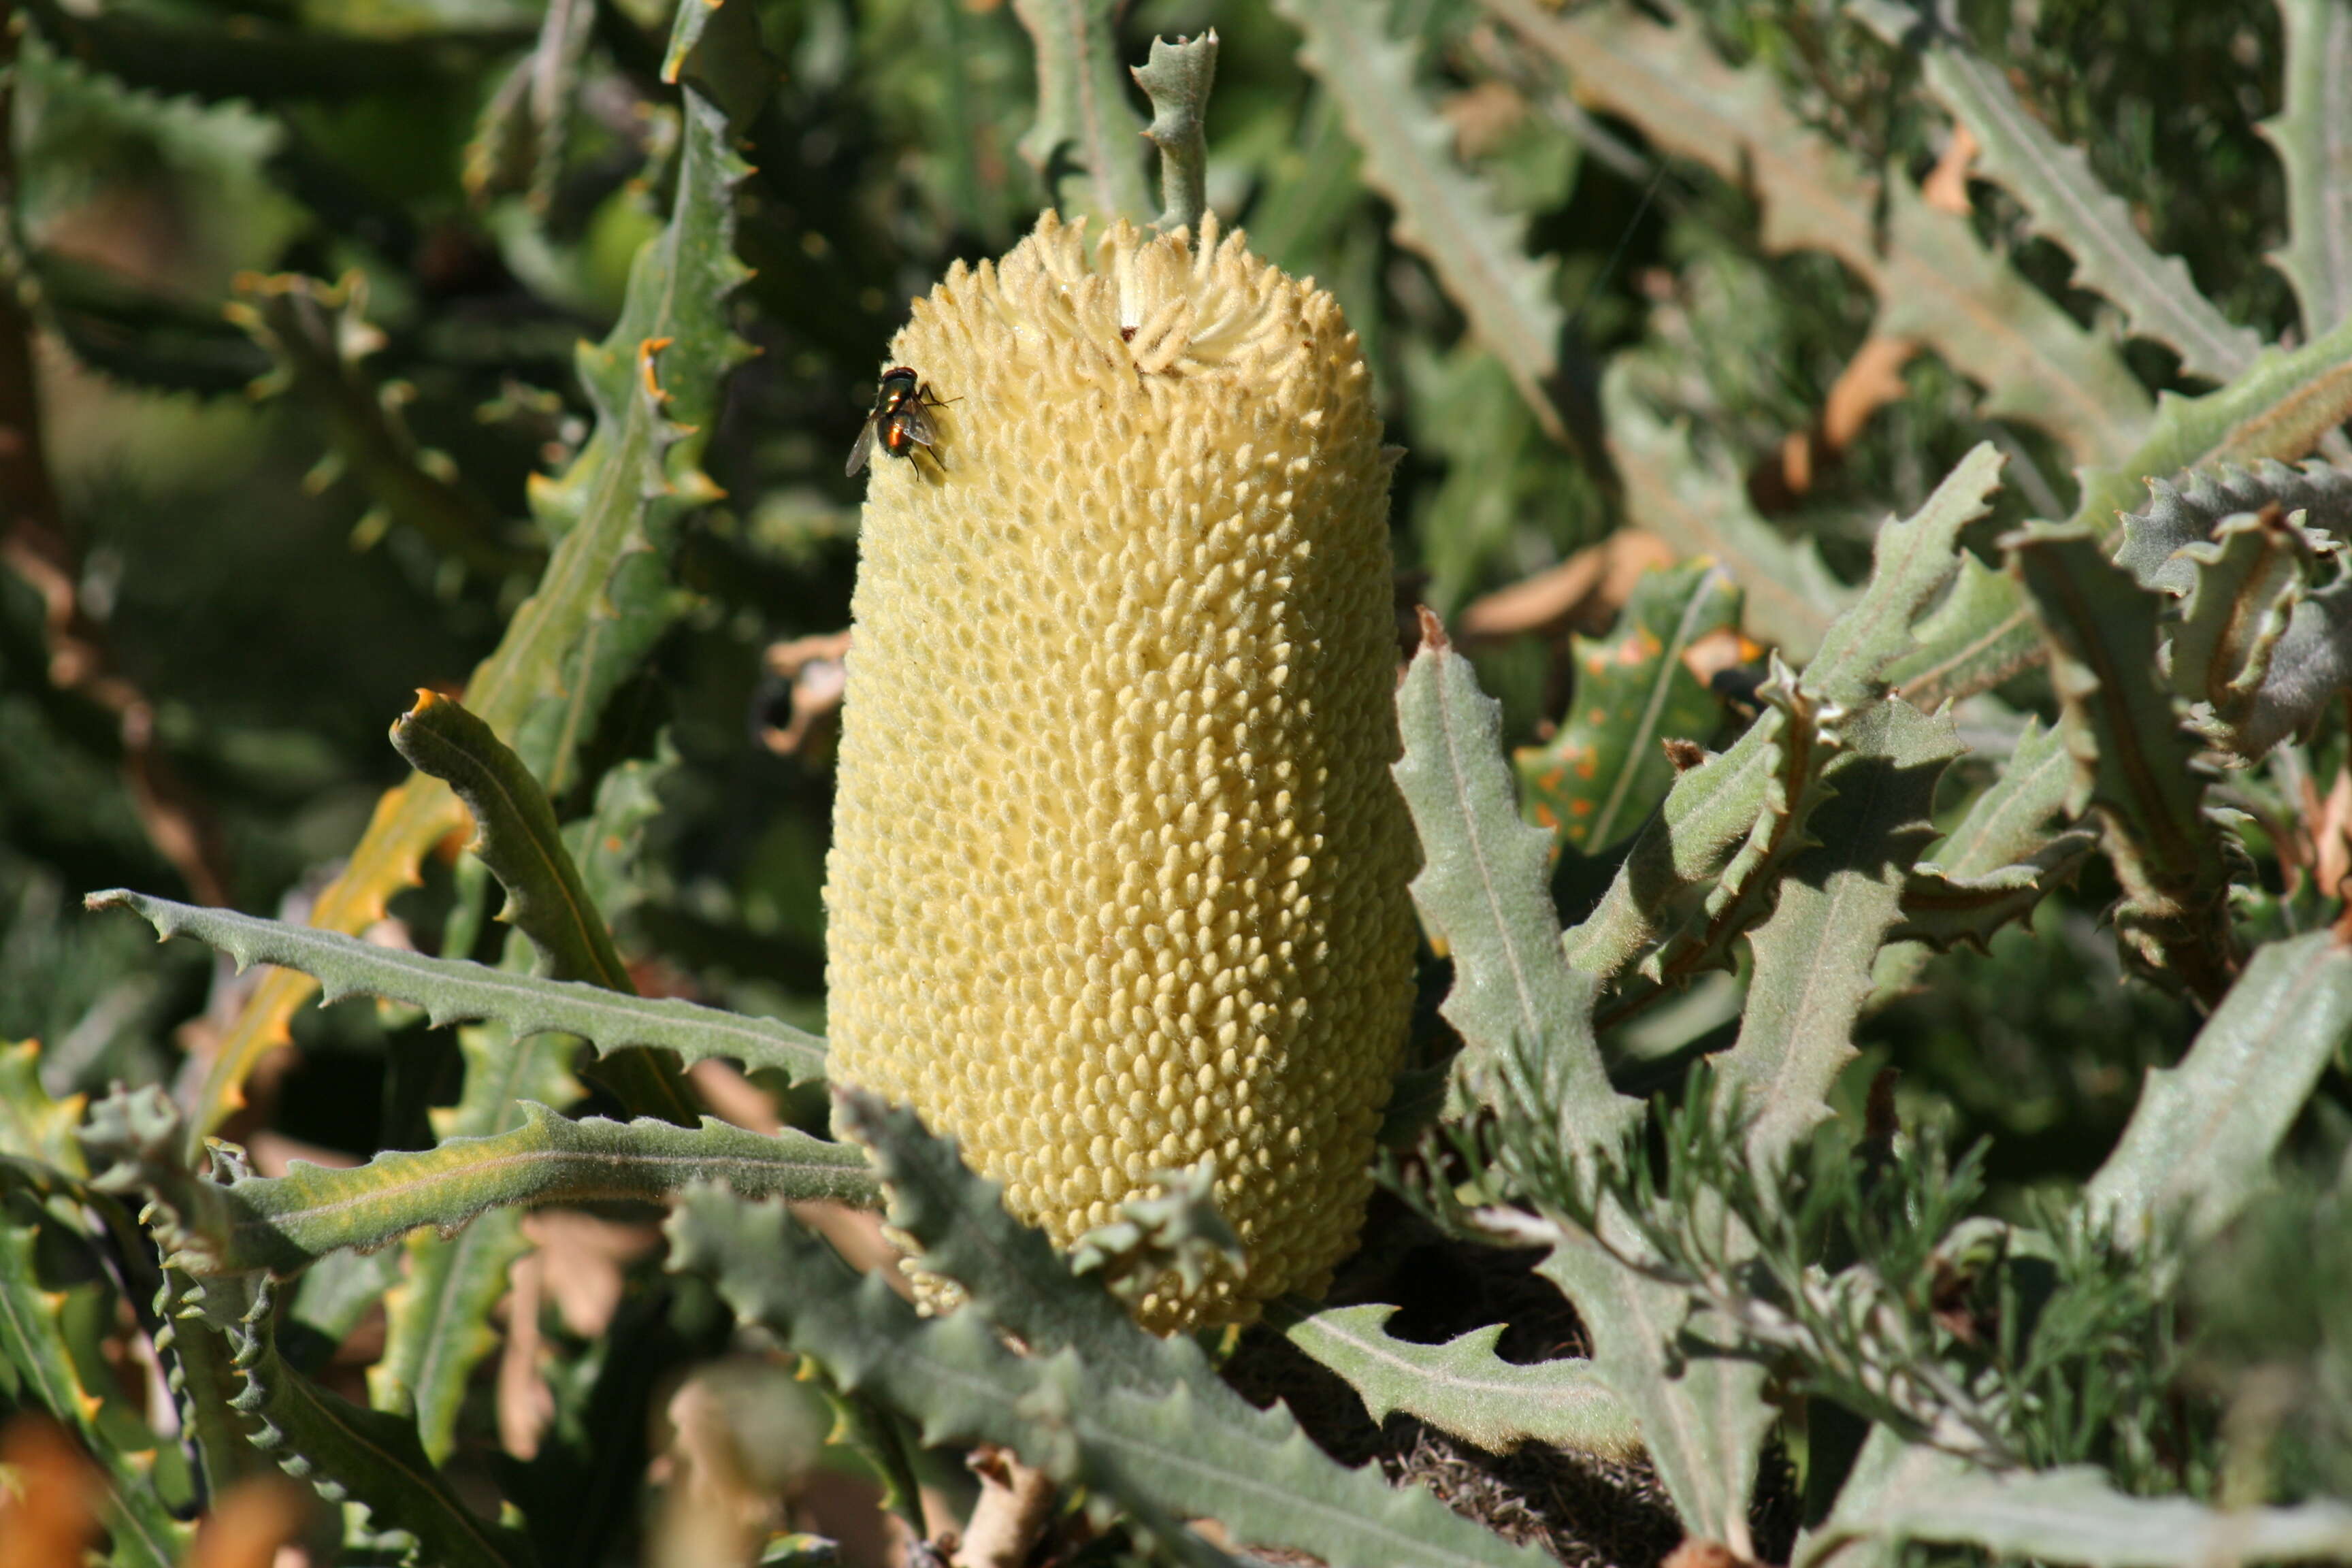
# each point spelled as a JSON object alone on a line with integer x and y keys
{"x": 815, "y": 672}
{"x": 582, "y": 1261}
{"x": 526, "y": 1404}
{"x": 1586, "y": 590}
{"x": 1945, "y": 188}
{"x": 250, "y": 1524}
{"x": 49, "y": 1496}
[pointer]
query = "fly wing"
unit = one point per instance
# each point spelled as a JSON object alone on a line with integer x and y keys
{"x": 917, "y": 426}
{"x": 861, "y": 451}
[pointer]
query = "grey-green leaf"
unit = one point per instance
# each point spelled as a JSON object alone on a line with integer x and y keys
{"x": 453, "y": 990}
{"x": 2055, "y": 184}
{"x": 1485, "y": 887}
{"x": 1165, "y": 1454}
{"x": 1462, "y": 1386}
{"x": 1177, "y": 79}
{"x": 282, "y": 1224}
{"x": 2075, "y": 1515}
{"x": 2201, "y": 1141}
{"x": 1443, "y": 211}
{"x": 1085, "y": 145}
{"x": 2313, "y": 136}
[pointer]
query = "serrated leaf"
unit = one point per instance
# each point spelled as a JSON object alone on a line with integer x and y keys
{"x": 517, "y": 838}
{"x": 203, "y": 1377}
{"x": 1165, "y": 1454}
{"x": 2201, "y": 1140}
{"x": 1705, "y": 868}
{"x": 1485, "y": 887}
{"x": 2279, "y": 409}
{"x": 2005, "y": 854}
{"x": 1011, "y": 1271}
{"x": 1462, "y": 1386}
{"x": 456, "y": 990}
{"x": 2076, "y": 1515}
{"x": 1838, "y": 902}
{"x": 437, "y": 1324}
{"x": 281, "y": 1224}
{"x": 1935, "y": 281}
{"x": 2177, "y": 515}
{"x": 1444, "y": 211}
{"x": 319, "y": 337}
{"x": 2053, "y": 182}
{"x": 436, "y": 1317}
{"x": 2248, "y": 585}
{"x": 1788, "y": 596}
{"x": 1176, "y": 79}
{"x": 2135, "y": 765}
{"x": 547, "y": 901}
{"x": 347, "y": 1451}
{"x": 1981, "y": 636}
{"x": 1703, "y": 1419}
{"x": 32, "y": 1125}
{"x": 604, "y": 597}
{"x": 1084, "y": 144}
{"x": 1594, "y": 782}
{"x": 33, "y": 1347}
{"x": 2313, "y": 136}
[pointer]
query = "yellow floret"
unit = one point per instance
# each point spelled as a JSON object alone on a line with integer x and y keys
{"x": 1118, "y": 881}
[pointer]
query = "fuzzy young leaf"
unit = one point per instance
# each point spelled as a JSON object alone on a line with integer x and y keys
{"x": 604, "y": 597}
{"x": 2178, "y": 515}
{"x": 1177, "y": 79}
{"x": 1444, "y": 211}
{"x": 1164, "y": 1454}
{"x": 2279, "y": 409}
{"x": 1935, "y": 281}
{"x": 1462, "y": 1386}
{"x": 2202, "y": 1138}
{"x": 1788, "y": 596}
{"x": 282, "y": 1224}
{"x": 2134, "y": 764}
{"x": 1594, "y": 782}
{"x": 1083, "y": 143}
{"x": 1484, "y": 886}
{"x": 2004, "y": 856}
{"x": 2066, "y": 201}
{"x": 455, "y": 990}
{"x": 2247, "y": 594}
{"x": 2313, "y": 136}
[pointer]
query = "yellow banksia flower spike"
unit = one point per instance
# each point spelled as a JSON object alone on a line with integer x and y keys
{"x": 1118, "y": 881}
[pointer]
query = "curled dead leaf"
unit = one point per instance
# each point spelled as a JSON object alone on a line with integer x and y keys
{"x": 806, "y": 677}
{"x": 1945, "y": 188}
{"x": 1585, "y": 591}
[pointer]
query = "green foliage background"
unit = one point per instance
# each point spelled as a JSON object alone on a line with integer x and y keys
{"x": 275, "y": 538}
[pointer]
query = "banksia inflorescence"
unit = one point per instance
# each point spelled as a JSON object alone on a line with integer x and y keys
{"x": 1118, "y": 883}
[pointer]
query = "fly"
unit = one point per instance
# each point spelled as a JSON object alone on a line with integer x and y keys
{"x": 900, "y": 420}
